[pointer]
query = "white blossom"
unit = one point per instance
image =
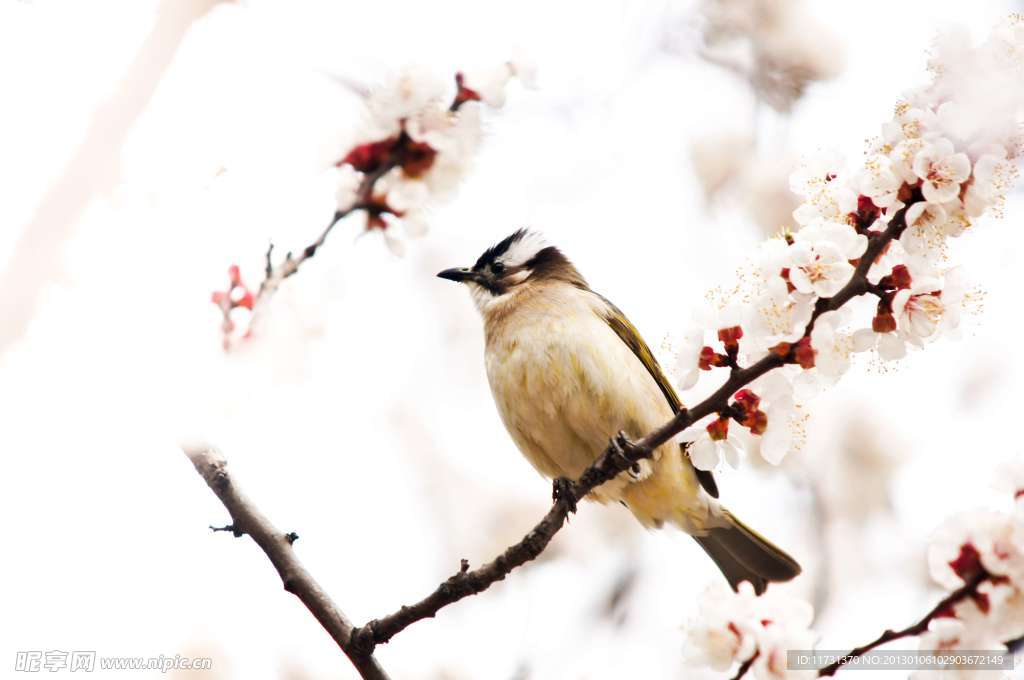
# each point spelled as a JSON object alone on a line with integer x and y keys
{"x": 816, "y": 172}
{"x": 902, "y": 157}
{"x": 687, "y": 359}
{"x": 705, "y": 452}
{"x": 850, "y": 244}
{"x": 918, "y": 310}
{"x": 778, "y": 403}
{"x": 346, "y": 181}
{"x": 942, "y": 170}
{"x": 832, "y": 345}
{"x": 490, "y": 83}
{"x": 779, "y": 315}
{"x": 908, "y": 123}
{"x": 1009, "y": 478}
{"x": 819, "y": 268}
{"x": 524, "y": 70}
{"x": 879, "y": 181}
{"x": 992, "y": 177}
{"x": 969, "y": 629}
{"x": 733, "y": 627}
{"x": 415, "y": 94}
{"x": 890, "y": 346}
{"x": 995, "y": 538}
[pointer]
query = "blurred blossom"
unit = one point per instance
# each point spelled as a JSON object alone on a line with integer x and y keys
{"x": 856, "y": 485}
{"x": 734, "y": 627}
{"x": 729, "y": 168}
{"x": 777, "y": 46}
{"x": 987, "y": 547}
{"x": 719, "y": 158}
{"x": 775, "y": 49}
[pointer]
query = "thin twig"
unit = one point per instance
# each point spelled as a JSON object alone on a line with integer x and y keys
{"x": 277, "y": 545}
{"x": 745, "y": 666}
{"x": 397, "y": 152}
{"x": 969, "y": 589}
{"x": 364, "y": 200}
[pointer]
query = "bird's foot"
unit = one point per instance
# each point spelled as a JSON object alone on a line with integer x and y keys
{"x": 562, "y": 490}
{"x": 619, "y": 445}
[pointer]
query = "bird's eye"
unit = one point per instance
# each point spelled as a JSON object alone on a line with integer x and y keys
{"x": 498, "y": 268}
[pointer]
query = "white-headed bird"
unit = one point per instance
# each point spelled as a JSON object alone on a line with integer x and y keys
{"x": 568, "y": 371}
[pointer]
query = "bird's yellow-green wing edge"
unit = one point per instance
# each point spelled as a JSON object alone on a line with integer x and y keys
{"x": 628, "y": 333}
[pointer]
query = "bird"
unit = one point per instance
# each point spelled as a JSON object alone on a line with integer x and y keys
{"x": 568, "y": 370}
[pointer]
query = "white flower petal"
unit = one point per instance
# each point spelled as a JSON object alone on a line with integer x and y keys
{"x": 704, "y": 454}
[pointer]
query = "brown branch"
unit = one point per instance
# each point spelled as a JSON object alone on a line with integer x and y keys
{"x": 277, "y": 545}
{"x": 969, "y": 589}
{"x": 620, "y": 455}
{"x": 745, "y": 666}
{"x": 275, "y": 274}
{"x": 858, "y": 283}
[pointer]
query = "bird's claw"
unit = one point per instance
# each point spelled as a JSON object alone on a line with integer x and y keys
{"x": 619, "y": 444}
{"x": 562, "y": 490}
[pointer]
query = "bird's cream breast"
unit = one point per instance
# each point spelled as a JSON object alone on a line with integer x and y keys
{"x": 564, "y": 382}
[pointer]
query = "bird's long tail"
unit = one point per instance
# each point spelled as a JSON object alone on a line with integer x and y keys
{"x": 744, "y": 555}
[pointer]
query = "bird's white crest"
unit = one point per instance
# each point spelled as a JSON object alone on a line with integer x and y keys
{"x": 522, "y": 250}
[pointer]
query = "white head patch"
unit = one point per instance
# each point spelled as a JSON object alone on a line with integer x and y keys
{"x": 523, "y": 249}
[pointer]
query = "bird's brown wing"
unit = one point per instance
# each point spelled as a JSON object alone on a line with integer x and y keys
{"x": 628, "y": 333}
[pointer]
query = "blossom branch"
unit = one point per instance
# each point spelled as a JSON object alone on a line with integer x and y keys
{"x": 419, "y": 147}
{"x": 277, "y": 545}
{"x": 858, "y": 283}
{"x": 944, "y": 608}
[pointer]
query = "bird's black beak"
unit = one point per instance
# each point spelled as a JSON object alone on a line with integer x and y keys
{"x": 457, "y": 274}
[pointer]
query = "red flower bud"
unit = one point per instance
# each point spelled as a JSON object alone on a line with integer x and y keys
{"x": 804, "y": 353}
{"x": 370, "y": 156}
{"x": 718, "y": 429}
{"x": 967, "y": 564}
{"x": 730, "y": 337}
{"x": 708, "y": 358}
{"x": 416, "y": 158}
{"x": 883, "y": 323}
{"x": 900, "y": 277}
{"x": 865, "y": 215}
{"x": 747, "y": 400}
{"x": 756, "y": 421}
{"x": 245, "y": 300}
{"x": 463, "y": 94}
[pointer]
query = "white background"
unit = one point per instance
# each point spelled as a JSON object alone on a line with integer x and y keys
{"x": 361, "y": 419}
